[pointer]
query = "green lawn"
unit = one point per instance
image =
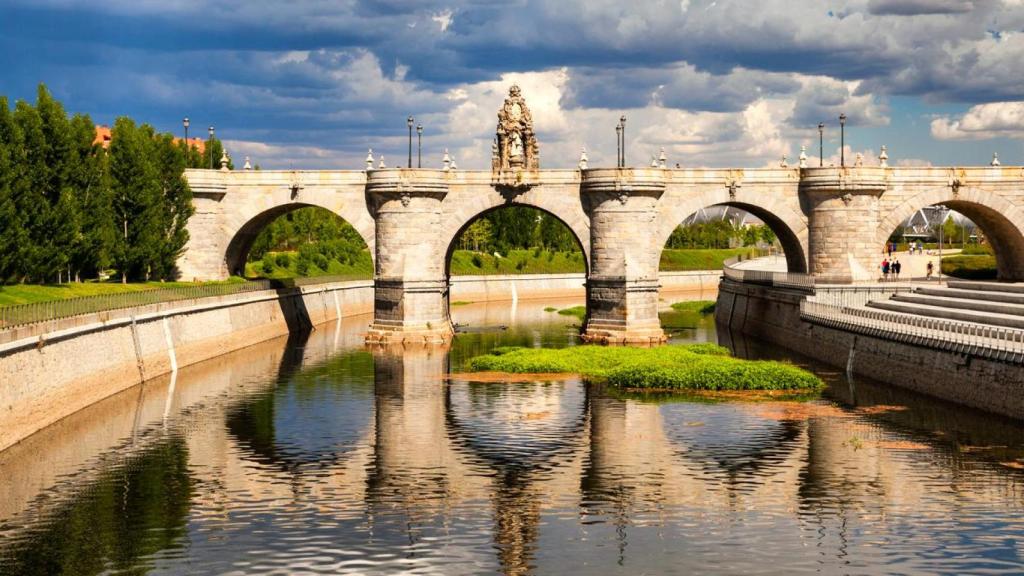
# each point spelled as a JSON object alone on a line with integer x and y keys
{"x": 971, "y": 267}
{"x": 680, "y": 259}
{"x": 362, "y": 268}
{"x": 15, "y": 294}
{"x": 469, "y": 263}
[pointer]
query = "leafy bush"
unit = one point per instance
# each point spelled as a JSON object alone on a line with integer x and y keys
{"x": 698, "y": 306}
{"x": 283, "y": 260}
{"x": 321, "y": 261}
{"x": 477, "y": 261}
{"x": 303, "y": 264}
{"x": 268, "y": 263}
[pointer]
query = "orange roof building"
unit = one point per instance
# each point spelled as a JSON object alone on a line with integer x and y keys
{"x": 103, "y": 137}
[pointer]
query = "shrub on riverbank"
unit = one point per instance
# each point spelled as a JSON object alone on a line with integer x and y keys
{"x": 577, "y": 311}
{"x": 970, "y": 267}
{"x": 695, "y": 366}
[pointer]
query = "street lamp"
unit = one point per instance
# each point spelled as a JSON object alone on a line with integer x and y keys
{"x": 821, "y": 144}
{"x": 419, "y": 145}
{"x": 410, "y": 122}
{"x": 185, "y": 123}
{"x": 622, "y": 121}
{"x": 210, "y": 147}
{"x": 842, "y": 139}
{"x": 619, "y": 145}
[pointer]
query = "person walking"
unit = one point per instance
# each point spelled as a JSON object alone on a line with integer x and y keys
{"x": 896, "y": 267}
{"x": 885, "y": 270}
{"x": 928, "y": 271}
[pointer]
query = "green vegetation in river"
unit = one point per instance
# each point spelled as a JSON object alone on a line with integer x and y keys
{"x": 690, "y": 367}
{"x": 577, "y": 311}
{"x": 698, "y": 306}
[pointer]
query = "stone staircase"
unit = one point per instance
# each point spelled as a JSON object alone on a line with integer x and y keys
{"x": 989, "y": 303}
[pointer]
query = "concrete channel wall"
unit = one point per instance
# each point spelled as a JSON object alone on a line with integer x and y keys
{"x": 773, "y": 315}
{"x": 53, "y": 369}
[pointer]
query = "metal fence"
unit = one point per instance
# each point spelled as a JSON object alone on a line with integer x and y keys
{"x": 22, "y": 314}
{"x": 766, "y": 277}
{"x": 1006, "y": 344}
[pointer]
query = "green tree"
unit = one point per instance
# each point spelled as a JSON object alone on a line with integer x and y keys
{"x": 136, "y": 194}
{"x": 13, "y": 235}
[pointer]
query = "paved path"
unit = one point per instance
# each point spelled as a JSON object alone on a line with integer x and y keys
{"x": 914, "y": 265}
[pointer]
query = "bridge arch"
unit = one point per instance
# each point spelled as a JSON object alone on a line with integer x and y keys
{"x": 789, "y": 226}
{"x": 244, "y": 226}
{"x": 467, "y": 208}
{"x": 1000, "y": 220}
{"x": 449, "y": 241}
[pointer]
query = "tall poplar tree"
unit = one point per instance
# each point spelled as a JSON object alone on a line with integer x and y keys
{"x": 13, "y": 235}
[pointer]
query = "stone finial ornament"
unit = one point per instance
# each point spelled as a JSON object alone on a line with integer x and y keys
{"x": 883, "y": 157}
{"x": 859, "y": 161}
{"x": 248, "y": 164}
{"x": 995, "y": 159}
{"x": 224, "y": 160}
{"x": 517, "y": 146}
{"x": 453, "y": 166}
{"x": 495, "y": 157}
{"x": 369, "y": 159}
{"x": 784, "y": 163}
{"x": 803, "y": 156}
{"x": 662, "y": 159}
{"x": 654, "y": 161}
{"x": 446, "y": 161}
{"x": 583, "y": 158}
{"x": 382, "y": 165}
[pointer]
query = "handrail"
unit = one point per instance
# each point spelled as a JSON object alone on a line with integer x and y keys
{"x": 36, "y": 312}
{"x": 1005, "y": 344}
{"x": 766, "y": 277}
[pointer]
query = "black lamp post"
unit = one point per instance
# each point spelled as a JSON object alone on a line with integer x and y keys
{"x": 419, "y": 145}
{"x": 185, "y": 123}
{"x": 842, "y": 139}
{"x": 821, "y": 144}
{"x": 210, "y": 147}
{"x": 410, "y": 120}
{"x": 618, "y": 145}
{"x": 622, "y": 122}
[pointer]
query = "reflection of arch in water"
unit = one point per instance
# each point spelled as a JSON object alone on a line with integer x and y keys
{"x": 1000, "y": 220}
{"x": 751, "y": 449}
{"x": 298, "y": 422}
{"x": 528, "y": 444}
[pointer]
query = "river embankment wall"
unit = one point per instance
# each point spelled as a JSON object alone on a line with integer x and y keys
{"x": 53, "y": 369}
{"x": 773, "y": 315}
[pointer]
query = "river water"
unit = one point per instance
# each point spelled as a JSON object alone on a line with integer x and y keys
{"x": 311, "y": 454}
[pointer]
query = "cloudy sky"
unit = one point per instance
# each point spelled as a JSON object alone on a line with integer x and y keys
{"x": 314, "y": 83}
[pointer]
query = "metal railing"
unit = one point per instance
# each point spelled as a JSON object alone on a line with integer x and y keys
{"x": 1005, "y": 344}
{"x": 22, "y": 314}
{"x": 766, "y": 277}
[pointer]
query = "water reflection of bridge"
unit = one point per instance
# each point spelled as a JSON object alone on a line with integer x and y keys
{"x": 397, "y": 453}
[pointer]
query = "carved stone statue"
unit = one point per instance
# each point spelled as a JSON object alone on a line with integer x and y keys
{"x": 516, "y": 143}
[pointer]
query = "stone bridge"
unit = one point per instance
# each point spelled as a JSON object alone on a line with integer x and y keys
{"x": 832, "y": 223}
